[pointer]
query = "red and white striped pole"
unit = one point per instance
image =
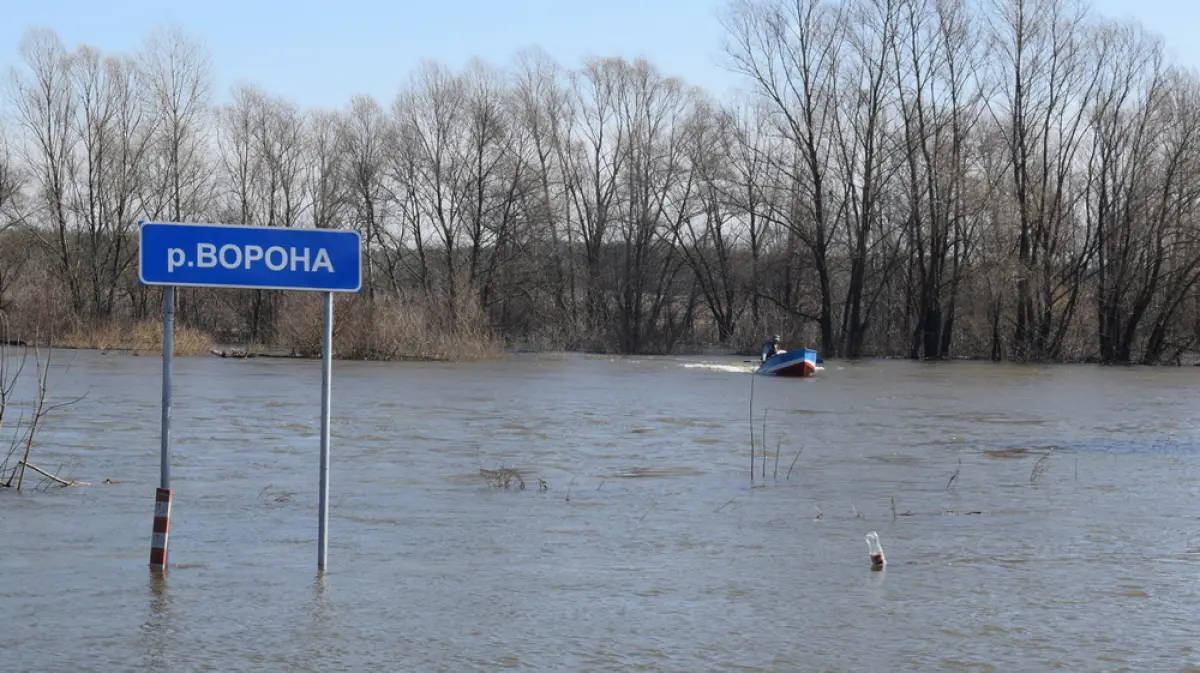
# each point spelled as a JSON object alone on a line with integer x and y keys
{"x": 162, "y": 522}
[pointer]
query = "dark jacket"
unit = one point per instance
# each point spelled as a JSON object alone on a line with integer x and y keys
{"x": 768, "y": 350}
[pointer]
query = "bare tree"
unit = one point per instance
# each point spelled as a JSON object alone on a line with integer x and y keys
{"x": 365, "y": 136}
{"x": 709, "y": 241}
{"x": 179, "y": 177}
{"x": 1049, "y": 66}
{"x": 593, "y": 158}
{"x": 12, "y": 216}
{"x": 114, "y": 135}
{"x": 494, "y": 176}
{"x": 658, "y": 193}
{"x": 430, "y": 160}
{"x": 1127, "y": 123}
{"x": 325, "y": 168}
{"x": 753, "y": 156}
{"x": 12, "y": 185}
{"x": 940, "y": 91}
{"x": 927, "y": 177}
{"x": 865, "y": 159}
{"x": 790, "y": 52}
{"x": 541, "y": 112}
{"x": 178, "y": 80}
{"x": 1175, "y": 223}
{"x": 44, "y": 105}
{"x": 263, "y": 149}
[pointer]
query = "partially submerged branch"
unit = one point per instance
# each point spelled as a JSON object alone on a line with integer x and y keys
{"x": 25, "y": 430}
{"x": 503, "y": 478}
{"x": 1040, "y": 467}
{"x": 789, "y": 472}
{"x": 53, "y": 477}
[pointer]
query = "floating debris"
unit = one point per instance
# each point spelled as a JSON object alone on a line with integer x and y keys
{"x": 504, "y": 477}
{"x": 878, "y": 561}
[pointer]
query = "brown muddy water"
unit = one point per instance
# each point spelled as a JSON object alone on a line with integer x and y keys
{"x": 649, "y": 550}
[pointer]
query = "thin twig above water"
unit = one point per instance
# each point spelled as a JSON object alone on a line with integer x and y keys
{"x": 954, "y": 477}
{"x": 647, "y": 512}
{"x": 764, "y": 442}
{"x": 789, "y": 472}
{"x": 26, "y": 432}
{"x": 1040, "y": 467}
{"x": 752, "y": 377}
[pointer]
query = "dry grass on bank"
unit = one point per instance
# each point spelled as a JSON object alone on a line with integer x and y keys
{"x": 143, "y": 338}
{"x": 389, "y": 329}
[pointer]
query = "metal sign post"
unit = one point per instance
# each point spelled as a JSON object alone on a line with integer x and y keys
{"x": 257, "y": 258}
{"x": 168, "y": 352}
{"x": 326, "y": 399}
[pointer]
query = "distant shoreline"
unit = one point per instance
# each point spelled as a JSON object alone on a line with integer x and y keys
{"x": 240, "y": 352}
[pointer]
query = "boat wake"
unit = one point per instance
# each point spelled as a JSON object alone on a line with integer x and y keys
{"x": 716, "y": 367}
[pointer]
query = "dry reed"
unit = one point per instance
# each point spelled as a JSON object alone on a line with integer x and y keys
{"x": 389, "y": 329}
{"x": 789, "y": 472}
{"x": 1040, "y": 467}
{"x": 954, "y": 476}
{"x": 752, "y": 377}
{"x": 142, "y": 337}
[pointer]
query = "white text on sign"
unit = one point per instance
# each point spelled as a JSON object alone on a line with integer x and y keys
{"x": 230, "y": 256}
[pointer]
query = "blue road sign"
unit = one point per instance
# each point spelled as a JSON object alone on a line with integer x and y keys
{"x": 257, "y": 258}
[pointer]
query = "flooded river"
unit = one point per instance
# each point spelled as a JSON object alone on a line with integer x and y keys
{"x": 649, "y": 547}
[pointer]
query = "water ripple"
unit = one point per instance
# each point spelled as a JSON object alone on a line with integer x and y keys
{"x": 1025, "y": 511}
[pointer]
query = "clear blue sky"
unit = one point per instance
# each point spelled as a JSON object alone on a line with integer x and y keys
{"x": 322, "y": 53}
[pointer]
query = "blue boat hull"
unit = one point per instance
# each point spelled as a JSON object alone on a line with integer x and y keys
{"x": 800, "y": 362}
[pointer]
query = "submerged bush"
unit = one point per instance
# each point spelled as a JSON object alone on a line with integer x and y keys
{"x": 410, "y": 328}
{"x": 142, "y": 337}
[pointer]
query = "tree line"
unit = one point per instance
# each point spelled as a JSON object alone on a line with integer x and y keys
{"x": 1005, "y": 179}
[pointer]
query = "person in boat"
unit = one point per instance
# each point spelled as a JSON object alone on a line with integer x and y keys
{"x": 771, "y": 348}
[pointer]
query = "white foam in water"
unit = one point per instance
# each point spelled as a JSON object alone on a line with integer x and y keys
{"x": 718, "y": 367}
{"x": 736, "y": 369}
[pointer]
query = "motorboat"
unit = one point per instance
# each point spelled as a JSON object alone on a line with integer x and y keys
{"x": 800, "y": 362}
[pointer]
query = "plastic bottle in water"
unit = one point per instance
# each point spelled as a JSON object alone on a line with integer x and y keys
{"x": 878, "y": 561}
